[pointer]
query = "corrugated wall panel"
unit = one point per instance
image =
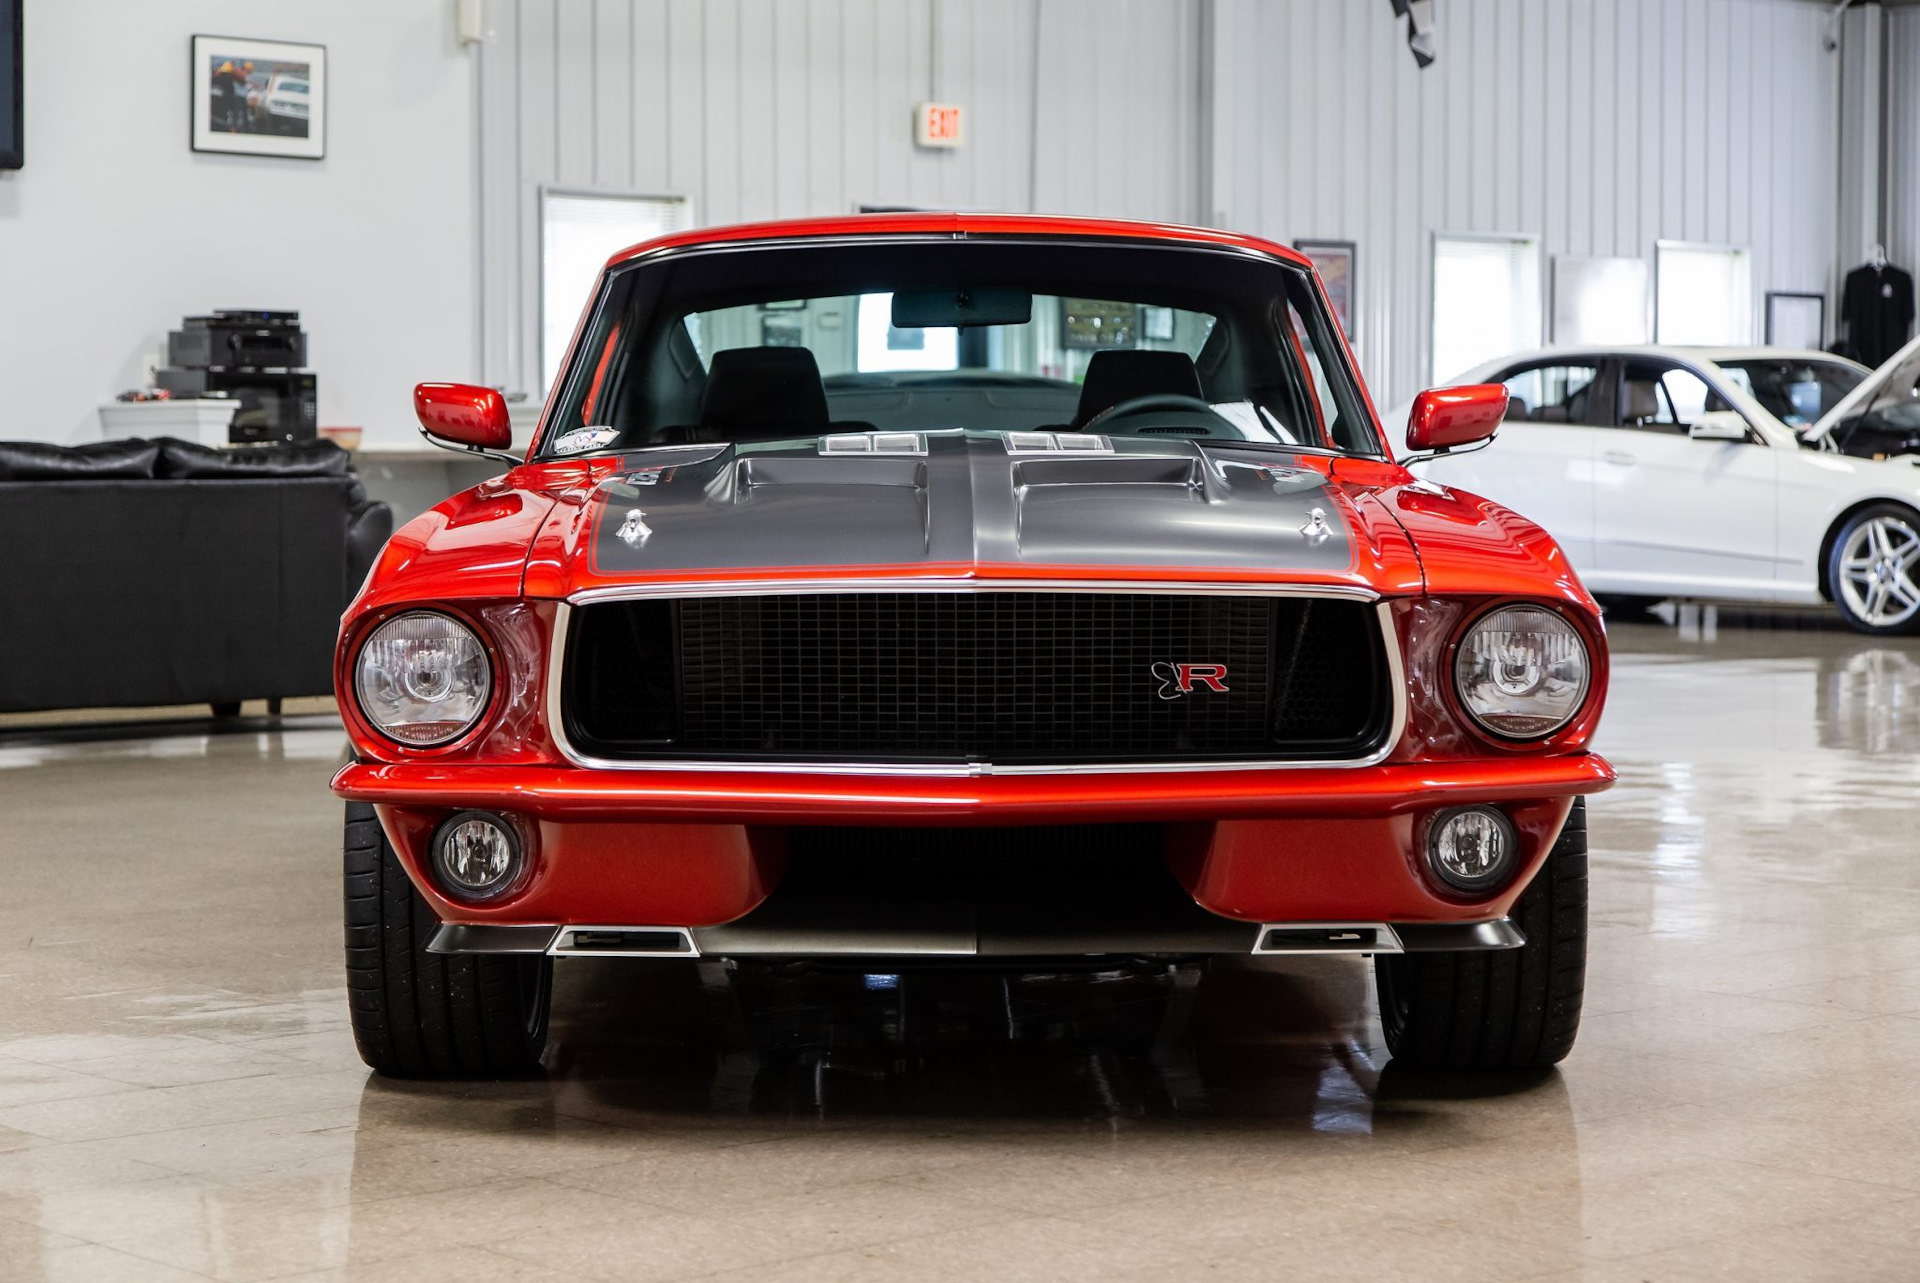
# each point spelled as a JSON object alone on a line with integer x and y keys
{"x": 1903, "y": 137}
{"x": 1600, "y": 125}
{"x": 778, "y": 108}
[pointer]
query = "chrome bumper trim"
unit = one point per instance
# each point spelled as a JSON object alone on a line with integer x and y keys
{"x": 624, "y": 942}
{"x": 487, "y": 937}
{"x": 1285, "y": 938}
{"x": 1271, "y": 939}
{"x": 1459, "y": 937}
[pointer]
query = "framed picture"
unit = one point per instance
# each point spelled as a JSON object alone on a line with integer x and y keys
{"x": 1094, "y": 324}
{"x": 1796, "y": 320}
{"x": 259, "y": 97}
{"x": 12, "y": 86}
{"x": 783, "y": 331}
{"x": 1334, "y": 261}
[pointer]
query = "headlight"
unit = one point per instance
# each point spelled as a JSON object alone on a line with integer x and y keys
{"x": 1522, "y": 672}
{"x": 422, "y": 678}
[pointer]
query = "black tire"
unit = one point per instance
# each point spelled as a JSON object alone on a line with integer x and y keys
{"x": 1836, "y": 554}
{"x": 1516, "y": 1009}
{"x": 1625, "y": 608}
{"x": 428, "y": 1015}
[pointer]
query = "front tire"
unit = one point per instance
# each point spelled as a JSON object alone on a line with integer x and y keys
{"x": 1873, "y": 571}
{"x": 1515, "y": 1009}
{"x": 429, "y": 1015}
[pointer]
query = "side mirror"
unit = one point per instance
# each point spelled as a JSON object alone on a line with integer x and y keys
{"x": 1718, "y": 425}
{"x": 1443, "y": 418}
{"x": 463, "y": 414}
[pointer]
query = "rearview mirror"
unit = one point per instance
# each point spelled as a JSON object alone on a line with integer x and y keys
{"x": 1444, "y": 418}
{"x": 940, "y": 309}
{"x": 463, "y": 414}
{"x": 1718, "y": 425}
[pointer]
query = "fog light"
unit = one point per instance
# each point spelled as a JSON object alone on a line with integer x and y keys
{"x": 476, "y": 855}
{"x": 1472, "y": 849}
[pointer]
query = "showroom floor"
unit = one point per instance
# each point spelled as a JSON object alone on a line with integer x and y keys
{"x": 179, "y": 1097}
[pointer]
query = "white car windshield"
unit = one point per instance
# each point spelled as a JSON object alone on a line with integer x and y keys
{"x": 1796, "y": 392}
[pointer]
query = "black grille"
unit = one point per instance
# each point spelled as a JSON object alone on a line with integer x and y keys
{"x": 1007, "y": 677}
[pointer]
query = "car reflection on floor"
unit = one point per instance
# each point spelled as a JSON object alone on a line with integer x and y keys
{"x": 177, "y": 1084}
{"x": 1225, "y": 1038}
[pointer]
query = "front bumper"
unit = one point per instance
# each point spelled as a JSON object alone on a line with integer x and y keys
{"x": 697, "y": 849}
{"x": 775, "y": 934}
{"x": 667, "y": 796}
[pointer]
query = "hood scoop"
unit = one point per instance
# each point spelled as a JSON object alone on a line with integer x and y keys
{"x": 1113, "y": 470}
{"x": 825, "y": 470}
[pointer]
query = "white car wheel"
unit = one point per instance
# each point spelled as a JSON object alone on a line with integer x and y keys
{"x": 1876, "y": 571}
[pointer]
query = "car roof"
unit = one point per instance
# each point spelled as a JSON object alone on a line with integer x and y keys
{"x": 1676, "y": 352}
{"x": 958, "y": 223}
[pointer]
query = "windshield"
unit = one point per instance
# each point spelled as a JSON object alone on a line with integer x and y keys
{"x": 776, "y": 342}
{"x": 1796, "y": 392}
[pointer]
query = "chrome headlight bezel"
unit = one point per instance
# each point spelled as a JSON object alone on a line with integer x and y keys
{"x": 1561, "y": 700}
{"x": 465, "y": 703}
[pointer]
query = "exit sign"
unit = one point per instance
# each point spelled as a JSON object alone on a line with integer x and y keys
{"x": 937, "y": 124}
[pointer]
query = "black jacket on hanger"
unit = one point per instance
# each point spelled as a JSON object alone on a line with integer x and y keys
{"x": 1877, "y": 307}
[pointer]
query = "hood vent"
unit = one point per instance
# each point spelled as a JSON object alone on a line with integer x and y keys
{"x": 1057, "y": 443}
{"x": 867, "y": 443}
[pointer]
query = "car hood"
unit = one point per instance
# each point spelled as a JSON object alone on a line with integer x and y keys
{"x": 965, "y": 504}
{"x": 1902, "y": 369}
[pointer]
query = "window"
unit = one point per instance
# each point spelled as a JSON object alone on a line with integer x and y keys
{"x": 1552, "y": 394}
{"x": 1796, "y": 392}
{"x": 1663, "y": 398}
{"x": 1704, "y": 293}
{"x": 779, "y": 343}
{"x": 884, "y": 346}
{"x": 579, "y": 232}
{"x": 1486, "y": 300}
{"x": 1600, "y": 301}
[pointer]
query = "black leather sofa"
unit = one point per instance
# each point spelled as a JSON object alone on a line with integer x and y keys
{"x": 140, "y": 573}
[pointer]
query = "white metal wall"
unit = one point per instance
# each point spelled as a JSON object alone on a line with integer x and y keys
{"x": 1903, "y": 137}
{"x": 1601, "y": 125}
{"x": 777, "y": 108}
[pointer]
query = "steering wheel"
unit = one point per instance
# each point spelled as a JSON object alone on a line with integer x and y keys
{"x": 1151, "y": 401}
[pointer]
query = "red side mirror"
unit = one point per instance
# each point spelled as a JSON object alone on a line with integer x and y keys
{"x": 464, "y": 414}
{"x": 1443, "y": 418}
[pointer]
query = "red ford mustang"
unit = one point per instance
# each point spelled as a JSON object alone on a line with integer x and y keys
{"x": 1030, "y": 591}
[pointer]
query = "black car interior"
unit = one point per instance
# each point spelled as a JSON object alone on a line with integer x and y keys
{"x": 1114, "y": 378}
{"x": 643, "y": 374}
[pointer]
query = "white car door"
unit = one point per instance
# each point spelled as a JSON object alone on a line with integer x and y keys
{"x": 1541, "y": 463}
{"x": 1675, "y": 515}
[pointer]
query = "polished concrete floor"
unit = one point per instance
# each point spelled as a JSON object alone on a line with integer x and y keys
{"x": 179, "y": 1097}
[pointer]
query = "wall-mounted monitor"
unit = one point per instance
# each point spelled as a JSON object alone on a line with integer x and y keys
{"x": 12, "y": 86}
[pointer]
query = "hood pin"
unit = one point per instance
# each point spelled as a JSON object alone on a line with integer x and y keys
{"x": 635, "y": 528}
{"x": 1316, "y": 530}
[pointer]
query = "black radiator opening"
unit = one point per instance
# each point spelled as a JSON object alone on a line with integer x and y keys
{"x": 1011, "y": 678}
{"x": 1023, "y": 892}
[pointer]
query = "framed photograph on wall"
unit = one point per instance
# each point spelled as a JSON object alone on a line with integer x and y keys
{"x": 1334, "y": 260}
{"x": 13, "y": 144}
{"x": 1796, "y": 320}
{"x": 1095, "y": 324}
{"x": 259, "y": 97}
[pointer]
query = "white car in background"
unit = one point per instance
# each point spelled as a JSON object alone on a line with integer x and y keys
{"x": 287, "y": 104}
{"x": 1719, "y": 474}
